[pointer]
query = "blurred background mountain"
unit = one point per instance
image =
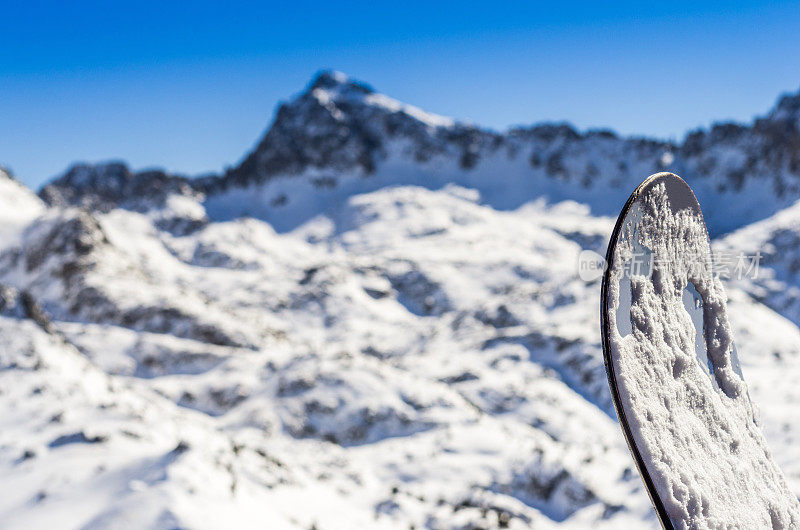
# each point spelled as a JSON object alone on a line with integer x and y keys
{"x": 371, "y": 318}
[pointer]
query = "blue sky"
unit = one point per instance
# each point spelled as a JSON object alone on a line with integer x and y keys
{"x": 191, "y": 86}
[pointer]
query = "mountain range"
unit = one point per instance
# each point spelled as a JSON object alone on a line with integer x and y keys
{"x": 340, "y": 137}
{"x": 373, "y": 321}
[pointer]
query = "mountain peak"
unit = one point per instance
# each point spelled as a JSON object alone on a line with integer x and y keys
{"x": 333, "y": 79}
{"x": 6, "y": 174}
{"x": 337, "y": 92}
{"x": 788, "y": 108}
{"x": 338, "y": 125}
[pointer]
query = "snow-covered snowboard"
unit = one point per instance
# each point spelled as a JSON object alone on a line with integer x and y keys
{"x": 674, "y": 374}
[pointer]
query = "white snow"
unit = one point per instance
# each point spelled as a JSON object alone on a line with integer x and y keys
{"x": 415, "y": 358}
{"x": 432, "y": 120}
{"x": 18, "y": 207}
{"x": 411, "y": 357}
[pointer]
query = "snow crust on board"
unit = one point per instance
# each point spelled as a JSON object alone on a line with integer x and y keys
{"x": 692, "y": 422}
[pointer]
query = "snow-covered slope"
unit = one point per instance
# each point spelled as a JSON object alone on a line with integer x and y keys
{"x": 416, "y": 358}
{"x": 82, "y": 449}
{"x": 18, "y": 206}
{"x": 774, "y": 245}
{"x": 374, "y": 321}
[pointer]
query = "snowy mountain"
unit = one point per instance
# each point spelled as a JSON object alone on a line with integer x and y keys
{"x": 374, "y": 321}
{"x": 340, "y": 137}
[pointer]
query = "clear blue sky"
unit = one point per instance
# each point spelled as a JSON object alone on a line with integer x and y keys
{"x": 190, "y": 86}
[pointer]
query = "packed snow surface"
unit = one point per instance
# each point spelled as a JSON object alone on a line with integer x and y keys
{"x": 679, "y": 381}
